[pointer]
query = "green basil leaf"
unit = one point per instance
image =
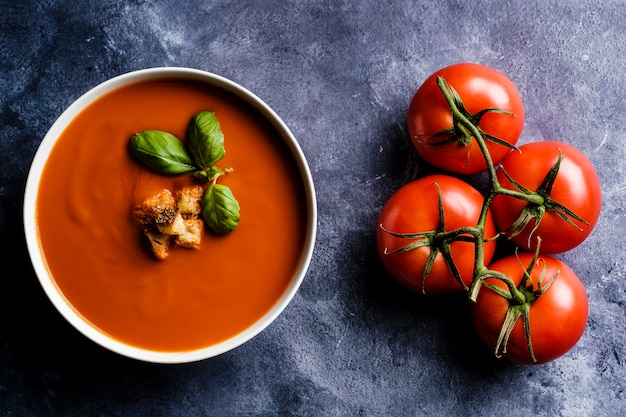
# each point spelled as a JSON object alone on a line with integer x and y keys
{"x": 161, "y": 151}
{"x": 205, "y": 139}
{"x": 220, "y": 209}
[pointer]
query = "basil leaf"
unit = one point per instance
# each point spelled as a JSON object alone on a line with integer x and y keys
{"x": 220, "y": 209}
{"x": 205, "y": 139}
{"x": 161, "y": 151}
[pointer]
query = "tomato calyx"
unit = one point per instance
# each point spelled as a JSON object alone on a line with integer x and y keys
{"x": 438, "y": 240}
{"x": 539, "y": 202}
{"x": 464, "y": 124}
{"x": 521, "y": 299}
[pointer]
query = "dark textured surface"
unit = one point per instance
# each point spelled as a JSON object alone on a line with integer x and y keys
{"x": 341, "y": 75}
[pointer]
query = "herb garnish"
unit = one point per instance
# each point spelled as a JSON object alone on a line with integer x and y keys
{"x": 161, "y": 151}
{"x": 165, "y": 154}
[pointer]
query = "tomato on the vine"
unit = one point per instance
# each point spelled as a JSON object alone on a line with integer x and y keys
{"x": 479, "y": 88}
{"x": 414, "y": 209}
{"x": 574, "y": 202}
{"x": 557, "y": 318}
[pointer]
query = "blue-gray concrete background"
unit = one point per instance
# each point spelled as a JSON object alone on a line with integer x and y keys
{"x": 341, "y": 75}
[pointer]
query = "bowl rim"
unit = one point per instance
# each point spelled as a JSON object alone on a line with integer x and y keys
{"x": 35, "y": 250}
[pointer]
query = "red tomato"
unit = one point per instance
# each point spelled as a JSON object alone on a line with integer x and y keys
{"x": 414, "y": 209}
{"x": 558, "y": 317}
{"x": 479, "y": 88}
{"x": 576, "y": 187}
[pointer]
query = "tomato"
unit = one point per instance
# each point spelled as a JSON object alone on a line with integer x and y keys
{"x": 480, "y": 88}
{"x": 557, "y": 318}
{"x": 575, "y": 187}
{"x": 414, "y": 209}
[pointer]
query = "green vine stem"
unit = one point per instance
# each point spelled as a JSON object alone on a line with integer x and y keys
{"x": 461, "y": 120}
{"x": 520, "y": 296}
{"x": 481, "y": 272}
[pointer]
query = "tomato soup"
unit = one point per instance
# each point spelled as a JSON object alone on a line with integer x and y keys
{"x": 98, "y": 256}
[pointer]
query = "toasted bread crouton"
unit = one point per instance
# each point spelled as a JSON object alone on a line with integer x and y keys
{"x": 171, "y": 219}
{"x": 188, "y": 201}
{"x": 174, "y": 227}
{"x": 160, "y": 208}
{"x": 159, "y": 242}
{"x": 193, "y": 234}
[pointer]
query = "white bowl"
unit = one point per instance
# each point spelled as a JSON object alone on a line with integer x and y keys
{"x": 38, "y": 258}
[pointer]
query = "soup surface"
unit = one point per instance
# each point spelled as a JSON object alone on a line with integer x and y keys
{"x": 101, "y": 261}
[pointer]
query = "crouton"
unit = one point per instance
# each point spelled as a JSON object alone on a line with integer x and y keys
{"x": 188, "y": 201}
{"x": 171, "y": 219}
{"x": 159, "y": 242}
{"x": 160, "y": 208}
{"x": 192, "y": 235}
{"x": 173, "y": 227}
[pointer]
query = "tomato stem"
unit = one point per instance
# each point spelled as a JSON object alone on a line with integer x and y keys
{"x": 520, "y": 296}
{"x": 523, "y": 295}
{"x": 464, "y": 124}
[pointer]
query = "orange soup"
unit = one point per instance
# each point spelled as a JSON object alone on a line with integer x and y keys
{"x": 98, "y": 256}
